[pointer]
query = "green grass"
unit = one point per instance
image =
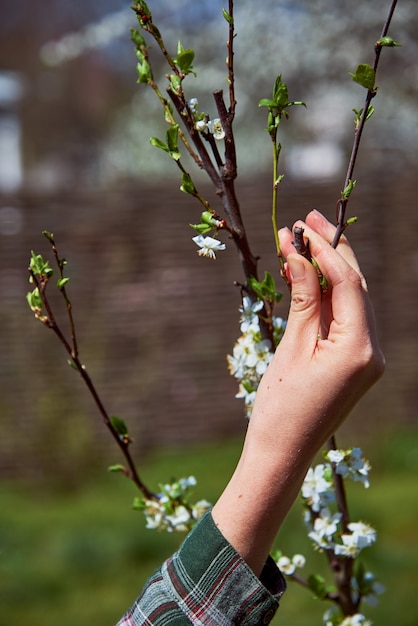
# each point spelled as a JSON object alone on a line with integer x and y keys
{"x": 80, "y": 557}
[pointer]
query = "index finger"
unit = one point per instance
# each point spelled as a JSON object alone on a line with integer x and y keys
{"x": 321, "y": 225}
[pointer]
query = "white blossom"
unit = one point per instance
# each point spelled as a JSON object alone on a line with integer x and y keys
{"x": 362, "y": 536}
{"x": 249, "y": 317}
{"x": 201, "y": 125}
{"x": 350, "y": 463}
{"x": 324, "y": 528}
{"x": 215, "y": 128}
{"x": 285, "y": 565}
{"x": 356, "y": 620}
{"x": 200, "y": 508}
{"x": 298, "y": 560}
{"x": 331, "y": 618}
{"x": 208, "y": 246}
{"x": 179, "y": 520}
{"x": 194, "y": 105}
{"x": 288, "y": 566}
{"x": 251, "y": 354}
{"x": 317, "y": 488}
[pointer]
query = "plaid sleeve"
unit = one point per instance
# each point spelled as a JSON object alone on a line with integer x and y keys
{"x": 207, "y": 583}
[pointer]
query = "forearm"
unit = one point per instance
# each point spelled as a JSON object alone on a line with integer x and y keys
{"x": 259, "y": 495}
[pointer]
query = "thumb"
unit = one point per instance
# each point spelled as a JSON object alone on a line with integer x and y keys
{"x": 305, "y": 308}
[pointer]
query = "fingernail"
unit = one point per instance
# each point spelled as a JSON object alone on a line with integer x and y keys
{"x": 296, "y": 267}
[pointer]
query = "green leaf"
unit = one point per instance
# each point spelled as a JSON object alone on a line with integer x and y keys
{"x": 364, "y": 76}
{"x": 172, "y": 142}
{"x": 154, "y": 141}
{"x": 265, "y": 290}
{"x": 48, "y": 235}
{"x": 116, "y": 468}
{"x": 39, "y": 266}
{"x": 202, "y": 229}
{"x": 137, "y": 38}
{"x": 119, "y": 426}
{"x": 143, "y": 69}
{"x": 316, "y": 584}
{"x": 34, "y": 299}
{"x": 207, "y": 218}
{"x": 175, "y": 83}
{"x": 346, "y": 193}
{"x": 62, "y": 282}
{"x": 228, "y": 17}
{"x": 351, "y": 220}
{"x": 267, "y": 102}
{"x": 387, "y": 42}
{"x": 187, "y": 185}
{"x": 185, "y": 59}
{"x": 172, "y": 136}
{"x": 280, "y": 93}
{"x": 138, "y": 504}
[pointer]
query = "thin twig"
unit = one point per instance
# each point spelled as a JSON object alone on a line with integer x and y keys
{"x": 230, "y": 61}
{"x": 50, "y": 322}
{"x": 342, "y": 202}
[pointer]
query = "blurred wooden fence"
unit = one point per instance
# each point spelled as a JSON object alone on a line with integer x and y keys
{"x": 156, "y": 321}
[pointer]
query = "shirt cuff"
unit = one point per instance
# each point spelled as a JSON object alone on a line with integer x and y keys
{"x": 213, "y": 585}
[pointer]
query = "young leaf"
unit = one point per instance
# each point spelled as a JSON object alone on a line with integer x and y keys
{"x": 143, "y": 69}
{"x": 172, "y": 142}
{"x": 48, "y": 235}
{"x": 175, "y": 84}
{"x": 187, "y": 185}
{"x": 116, "y": 468}
{"x": 34, "y": 299}
{"x": 228, "y": 17}
{"x": 202, "y": 229}
{"x": 348, "y": 190}
{"x": 387, "y": 42}
{"x": 137, "y": 38}
{"x": 364, "y": 76}
{"x": 280, "y": 93}
{"x": 154, "y": 141}
{"x": 317, "y": 585}
{"x": 62, "y": 282}
{"x": 266, "y": 102}
{"x": 119, "y": 426}
{"x": 39, "y": 266}
{"x": 185, "y": 59}
{"x": 207, "y": 218}
{"x": 265, "y": 290}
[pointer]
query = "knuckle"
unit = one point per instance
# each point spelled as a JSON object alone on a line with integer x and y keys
{"x": 301, "y": 301}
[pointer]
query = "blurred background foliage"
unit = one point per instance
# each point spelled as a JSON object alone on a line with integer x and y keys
{"x": 155, "y": 322}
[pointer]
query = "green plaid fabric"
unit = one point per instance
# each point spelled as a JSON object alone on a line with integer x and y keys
{"x": 207, "y": 582}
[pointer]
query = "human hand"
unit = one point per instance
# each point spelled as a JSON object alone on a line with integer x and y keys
{"x": 329, "y": 355}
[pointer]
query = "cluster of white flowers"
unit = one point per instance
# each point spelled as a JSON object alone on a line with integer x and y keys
{"x": 331, "y": 618}
{"x": 252, "y": 354}
{"x": 171, "y": 512}
{"x": 288, "y": 566}
{"x": 203, "y": 123}
{"x": 361, "y": 536}
{"x": 350, "y": 463}
{"x": 319, "y": 493}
